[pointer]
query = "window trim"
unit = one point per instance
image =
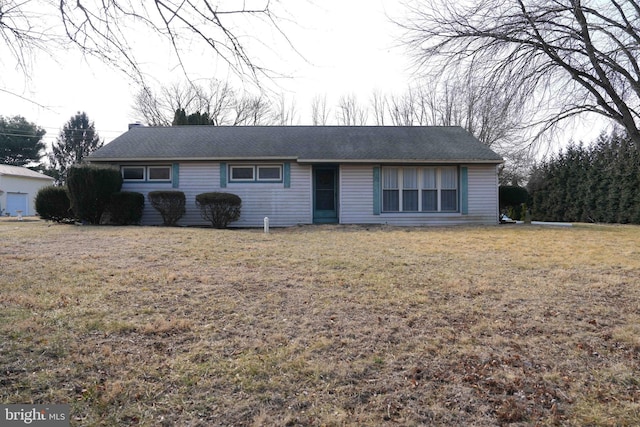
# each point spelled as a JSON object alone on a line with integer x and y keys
{"x": 399, "y": 189}
{"x": 279, "y": 167}
{"x": 253, "y": 173}
{"x": 169, "y": 167}
{"x": 146, "y": 173}
{"x": 256, "y": 173}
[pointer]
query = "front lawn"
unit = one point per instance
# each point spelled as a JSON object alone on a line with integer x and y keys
{"x": 325, "y": 325}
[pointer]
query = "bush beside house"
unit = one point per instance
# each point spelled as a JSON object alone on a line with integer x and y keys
{"x": 90, "y": 189}
{"x": 52, "y": 203}
{"x": 126, "y": 208}
{"x": 219, "y": 209}
{"x": 170, "y": 204}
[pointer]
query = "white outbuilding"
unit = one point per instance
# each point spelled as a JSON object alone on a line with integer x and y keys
{"x": 18, "y": 189}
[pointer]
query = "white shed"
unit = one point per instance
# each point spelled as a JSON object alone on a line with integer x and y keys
{"x": 18, "y": 189}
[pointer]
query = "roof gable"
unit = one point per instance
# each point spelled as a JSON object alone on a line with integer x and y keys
{"x": 302, "y": 143}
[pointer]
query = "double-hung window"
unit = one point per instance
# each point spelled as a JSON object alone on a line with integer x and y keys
{"x": 390, "y": 190}
{"x": 409, "y": 189}
{"x": 429, "y": 190}
{"x": 420, "y": 189}
{"x": 448, "y": 189}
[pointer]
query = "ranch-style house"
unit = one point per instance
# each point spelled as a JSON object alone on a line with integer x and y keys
{"x": 315, "y": 174}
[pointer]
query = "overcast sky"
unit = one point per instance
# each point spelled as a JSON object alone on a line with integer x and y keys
{"x": 346, "y": 47}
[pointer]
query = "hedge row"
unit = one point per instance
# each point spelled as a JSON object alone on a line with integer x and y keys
{"x": 93, "y": 196}
{"x": 596, "y": 183}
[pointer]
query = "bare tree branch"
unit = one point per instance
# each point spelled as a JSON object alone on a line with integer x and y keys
{"x": 559, "y": 52}
{"x": 319, "y": 111}
{"x": 350, "y": 113}
{"x": 110, "y": 30}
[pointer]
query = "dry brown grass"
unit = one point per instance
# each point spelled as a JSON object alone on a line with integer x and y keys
{"x": 323, "y": 325}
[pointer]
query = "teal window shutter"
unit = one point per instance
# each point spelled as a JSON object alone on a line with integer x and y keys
{"x": 376, "y": 190}
{"x": 464, "y": 190}
{"x": 223, "y": 175}
{"x": 287, "y": 175}
{"x": 175, "y": 175}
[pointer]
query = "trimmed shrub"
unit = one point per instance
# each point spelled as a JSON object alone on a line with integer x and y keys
{"x": 170, "y": 204}
{"x": 126, "y": 207}
{"x": 219, "y": 209}
{"x": 53, "y": 203}
{"x": 90, "y": 189}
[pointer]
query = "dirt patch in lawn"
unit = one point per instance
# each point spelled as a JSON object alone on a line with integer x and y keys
{"x": 325, "y": 325}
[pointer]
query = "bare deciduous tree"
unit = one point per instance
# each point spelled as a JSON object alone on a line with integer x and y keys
{"x": 571, "y": 56}
{"x": 222, "y": 104}
{"x": 252, "y": 110}
{"x": 285, "y": 113}
{"x": 379, "y": 105}
{"x": 319, "y": 111}
{"x": 406, "y": 110}
{"x": 110, "y": 29}
{"x": 158, "y": 110}
{"x": 350, "y": 112}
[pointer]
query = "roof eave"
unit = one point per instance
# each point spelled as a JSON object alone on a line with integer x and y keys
{"x": 187, "y": 159}
{"x": 405, "y": 161}
{"x": 274, "y": 158}
{"x": 16, "y": 175}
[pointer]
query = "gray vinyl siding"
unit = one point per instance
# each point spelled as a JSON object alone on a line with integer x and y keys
{"x": 294, "y": 205}
{"x": 356, "y": 195}
{"x": 483, "y": 194}
{"x": 283, "y": 206}
{"x": 356, "y": 200}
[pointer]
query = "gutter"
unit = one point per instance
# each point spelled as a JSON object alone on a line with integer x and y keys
{"x": 298, "y": 160}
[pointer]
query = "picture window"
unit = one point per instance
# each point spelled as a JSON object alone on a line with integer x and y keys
{"x": 420, "y": 189}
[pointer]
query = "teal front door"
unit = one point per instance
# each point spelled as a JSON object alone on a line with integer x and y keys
{"x": 325, "y": 194}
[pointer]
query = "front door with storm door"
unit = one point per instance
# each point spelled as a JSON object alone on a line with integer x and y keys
{"x": 325, "y": 194}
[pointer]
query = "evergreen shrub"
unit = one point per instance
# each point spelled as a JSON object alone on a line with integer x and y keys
{"x": 90, "y": 188}
{"x": 126, "y": 207}
{"x": 52, "y": 203}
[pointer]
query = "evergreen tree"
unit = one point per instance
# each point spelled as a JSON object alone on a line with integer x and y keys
{"x": 77, "y": 140}
{"x": 20, "y": 141}
{"x": 180, "y": 118}
{"x": 601, "y": 178}
{"x": 597, "y": 184}
{"x": 628, "y": 169}
{"x": 576, "y": 174}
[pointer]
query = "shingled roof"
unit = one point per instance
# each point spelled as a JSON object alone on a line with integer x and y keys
{"x": 337, "y": 144}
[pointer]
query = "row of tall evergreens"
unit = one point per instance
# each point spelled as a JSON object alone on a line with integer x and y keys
{"x": 596, "y": 183}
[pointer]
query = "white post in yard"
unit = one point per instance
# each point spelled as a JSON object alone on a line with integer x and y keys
{"x": 266, "y": 224}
